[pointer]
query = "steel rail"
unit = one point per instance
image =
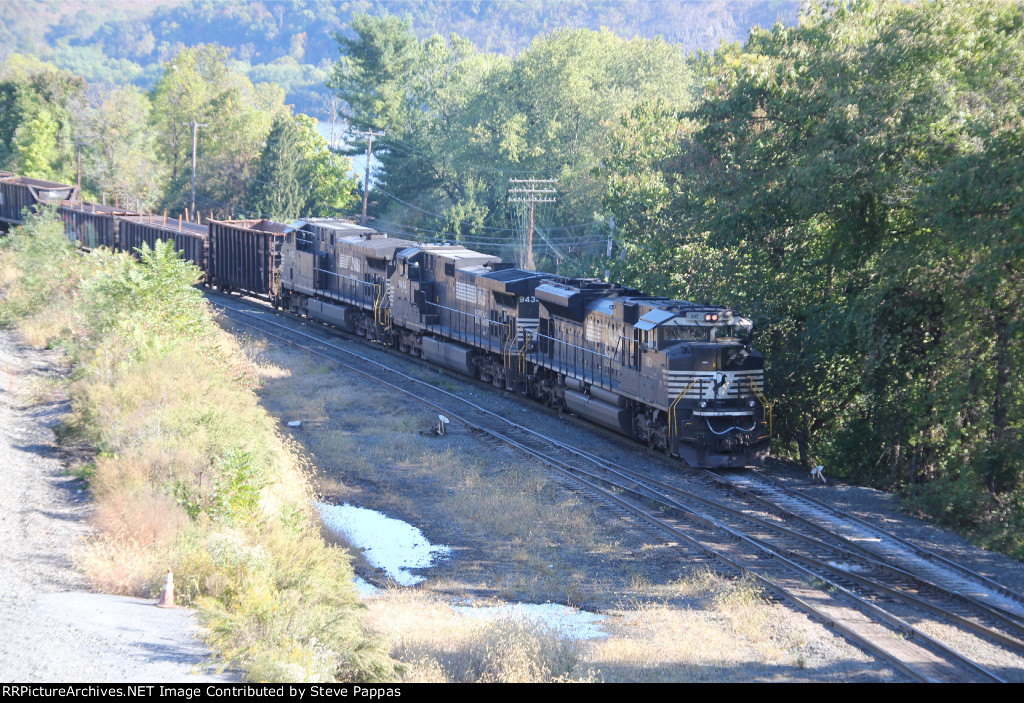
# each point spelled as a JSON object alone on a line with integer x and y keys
{"x": 574, "y": 473}
{"x": 926, "y": 554}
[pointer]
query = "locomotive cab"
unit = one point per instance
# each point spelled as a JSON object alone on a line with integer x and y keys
{"x": 717, "y": 413}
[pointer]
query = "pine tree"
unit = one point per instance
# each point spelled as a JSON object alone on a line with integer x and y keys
{"x": 278, "y": 189}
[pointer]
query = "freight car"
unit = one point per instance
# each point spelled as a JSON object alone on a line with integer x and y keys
{"x": 245, "y": 255}
{"x": 20, "y": 192}
{"x": 190, "y": 238}
{"x": 90, "y": 225}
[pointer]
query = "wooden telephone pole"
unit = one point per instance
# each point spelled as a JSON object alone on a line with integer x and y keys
{"x": 369, "y": 134}
{"x": 195, "y": 137}
{"x": 531, "y": 193}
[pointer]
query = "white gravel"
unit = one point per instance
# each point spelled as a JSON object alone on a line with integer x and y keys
{"x": 52, "y": 630}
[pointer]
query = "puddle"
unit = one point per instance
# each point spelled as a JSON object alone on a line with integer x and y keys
{"x": 396, "y": 547}
{"x": 569, "y": 622}
{"x": 389, "y": 544}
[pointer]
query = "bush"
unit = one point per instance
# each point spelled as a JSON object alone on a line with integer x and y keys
{"x": 192, "y": 472}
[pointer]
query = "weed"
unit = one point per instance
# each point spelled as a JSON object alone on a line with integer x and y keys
{"x": 191, "y": 472}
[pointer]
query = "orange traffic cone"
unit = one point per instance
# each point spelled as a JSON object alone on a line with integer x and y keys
{"x": 167, "y": 595}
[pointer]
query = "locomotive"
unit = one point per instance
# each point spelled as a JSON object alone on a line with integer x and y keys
{"x": 680, "y": 377}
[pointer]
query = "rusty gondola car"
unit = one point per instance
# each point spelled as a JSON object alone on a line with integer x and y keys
{"x": 191, "y": 239}
{"x": 245, "y": 256}
{"x": 90, "y": 225}
{"x": 20, "y": 192}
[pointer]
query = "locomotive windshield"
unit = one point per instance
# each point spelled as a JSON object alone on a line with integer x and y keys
{"x": 688, "y": 333}
{"x": 738, "y": 331}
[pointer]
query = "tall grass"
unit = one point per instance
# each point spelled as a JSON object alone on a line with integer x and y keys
{"x": 190, "y": 473}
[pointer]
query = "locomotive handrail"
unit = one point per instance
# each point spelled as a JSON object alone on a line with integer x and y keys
{"x": 377, "y": 300}
{"x": 480, "y": 321}
{"x": 506, "y": 347}
{"x": 338, "y": 275}
{"x": 600, "y": 375}
{"x": 527, "y": 336}
{"x": 764, "y": 403}
{"x": 672, "y": 408}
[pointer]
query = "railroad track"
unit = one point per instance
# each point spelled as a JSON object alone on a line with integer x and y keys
{"x": 885, "y": 608}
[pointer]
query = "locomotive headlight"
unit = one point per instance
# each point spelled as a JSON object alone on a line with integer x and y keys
{"x": 707, "y": 318}
{"x": 703, "y": 403}
{"x": 714, "y": 318}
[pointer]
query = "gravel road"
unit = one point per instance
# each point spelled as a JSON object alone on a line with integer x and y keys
{"x": 52, "y": 629}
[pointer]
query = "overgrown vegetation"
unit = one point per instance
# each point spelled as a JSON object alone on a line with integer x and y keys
{"x": 461, "y": 123}
{"x": 191, "y": 474}
{"x": 855, "y": 185}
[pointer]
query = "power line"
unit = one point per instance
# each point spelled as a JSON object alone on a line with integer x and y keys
{"x": 575, "y": 225}
{"x": 532, "y": 193}
{"x": 494, "y": 240}
{"x": 369, "y": 134}
{"x": 415, "y": 151}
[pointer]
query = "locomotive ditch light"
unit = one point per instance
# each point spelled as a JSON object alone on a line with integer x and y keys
{"x": 751, "y": 403}
{"x": 703, "y": 403}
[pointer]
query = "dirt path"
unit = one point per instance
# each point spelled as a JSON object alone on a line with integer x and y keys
{"x": 52, "y": 629}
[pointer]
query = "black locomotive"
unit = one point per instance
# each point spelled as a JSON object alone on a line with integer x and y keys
{"x": 680, "y": 377}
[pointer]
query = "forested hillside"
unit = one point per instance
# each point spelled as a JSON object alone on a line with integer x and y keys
{"x": 291, "y": 42}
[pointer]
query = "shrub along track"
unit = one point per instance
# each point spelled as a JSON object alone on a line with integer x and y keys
{"x": 821, "y": 570}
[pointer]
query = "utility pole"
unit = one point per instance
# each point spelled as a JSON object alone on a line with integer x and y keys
{"x": 370, "y": 134}
{"x": 532, "y": 193}
{"x": 611, "y": 244}
{"x": 78, "y": 144}
{"x": 195, "y": 135}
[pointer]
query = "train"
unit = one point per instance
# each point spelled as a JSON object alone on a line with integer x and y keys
{"x": 680, "y": 377}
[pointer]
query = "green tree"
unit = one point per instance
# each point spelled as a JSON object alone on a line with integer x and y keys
{"x": 278, "y": 189}
{"x": 199, "y": 85}
{"x": 460, "y": 123}
{"x": 855, "y": 183}
{"x": 329, "y": 181}
{"x": 35, "y": 145}
{"x": 120, "y": 157}
{"x": 36, "y": 102}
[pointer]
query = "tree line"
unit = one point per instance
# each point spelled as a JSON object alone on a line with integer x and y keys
{"x": 461, "y": 124}
{"x": 254, "y": 156}
{"x": 856, "y": 185}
